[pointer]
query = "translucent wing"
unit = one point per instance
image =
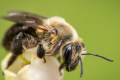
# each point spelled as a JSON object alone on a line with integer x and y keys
{"x": 21, "y": 13}
{"x": 29, "y": 19}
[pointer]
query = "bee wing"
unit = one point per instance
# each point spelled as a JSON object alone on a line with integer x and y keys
{"x": 21, "y": 13}
{"x": 28, "y": 19}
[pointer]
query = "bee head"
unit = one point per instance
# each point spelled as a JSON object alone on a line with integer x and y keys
{"x": 71, "y": 55}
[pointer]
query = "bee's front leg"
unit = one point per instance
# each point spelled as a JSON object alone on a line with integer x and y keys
{"x": 61, "y": 66}
{"x": 41, "y": 51}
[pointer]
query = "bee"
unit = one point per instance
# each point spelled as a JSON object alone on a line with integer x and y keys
{"x": 51, "y": 36}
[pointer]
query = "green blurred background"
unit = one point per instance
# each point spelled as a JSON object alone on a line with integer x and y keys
{"x": 96, "y": 21}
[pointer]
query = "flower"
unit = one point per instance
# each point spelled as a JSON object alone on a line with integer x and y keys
{"x": 35, "y": 70}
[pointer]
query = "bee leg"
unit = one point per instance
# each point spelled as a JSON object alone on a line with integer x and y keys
{"x": 61, "y": 66}
{"x": 16, "y": 49}
{"x": 41, "y": 51}
{"x": 15, "y": 30}
{"x": 16, "y": 46}
{"x": 11, "y": 60}
{"x": 44, "y": 59}
{"x": 55, "y": 49}
{"x": 22, "y": 39}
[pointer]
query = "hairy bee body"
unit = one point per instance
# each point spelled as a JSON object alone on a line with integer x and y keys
{"x": 64, "y": 31}
{"x": 49, "y": 36}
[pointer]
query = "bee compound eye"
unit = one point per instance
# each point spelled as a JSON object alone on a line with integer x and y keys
{"x": 67, "y": 55}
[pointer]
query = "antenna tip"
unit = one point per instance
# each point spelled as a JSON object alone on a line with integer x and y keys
{"x": 81, "y": 75}
{"x": 110, "y": 60}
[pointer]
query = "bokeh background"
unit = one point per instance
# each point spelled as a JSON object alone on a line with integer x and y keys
{"x": 96, "y": 21}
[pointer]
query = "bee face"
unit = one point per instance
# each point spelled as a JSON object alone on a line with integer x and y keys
{"x": 74, "y": 63}
{"x": 71, "y": 54}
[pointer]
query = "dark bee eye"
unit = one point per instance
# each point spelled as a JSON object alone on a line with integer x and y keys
{"x": 67, "y": 55}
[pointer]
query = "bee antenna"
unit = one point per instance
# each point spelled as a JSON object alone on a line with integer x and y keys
{"x": 98, "y": 56}
{"x": 81, "y": 62}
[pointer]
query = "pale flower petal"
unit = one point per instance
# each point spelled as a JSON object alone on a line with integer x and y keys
{"x": 37, "y": 70}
